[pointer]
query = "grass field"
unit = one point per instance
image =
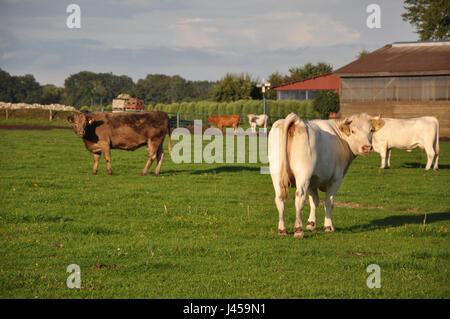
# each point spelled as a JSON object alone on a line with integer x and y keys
{"x": 210, "y": 230}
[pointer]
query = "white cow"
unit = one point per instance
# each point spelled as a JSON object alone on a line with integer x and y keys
{"x": 315, "y": 155}
{"x": 258, "y": 120}
{"x": 408, "y": 134}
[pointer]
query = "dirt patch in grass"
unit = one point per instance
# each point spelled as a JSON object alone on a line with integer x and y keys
{"x": 29, "y": 127}
{"x": 354, "y": 205}
{"x": 102, "y": 266}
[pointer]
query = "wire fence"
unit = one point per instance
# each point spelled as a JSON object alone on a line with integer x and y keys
{"x": 180, "y": 119}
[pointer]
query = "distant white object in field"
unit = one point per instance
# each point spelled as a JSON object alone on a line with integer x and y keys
{"x": 258, "y": 120}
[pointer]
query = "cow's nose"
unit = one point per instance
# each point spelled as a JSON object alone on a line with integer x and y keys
{"x": 367, "y": 148}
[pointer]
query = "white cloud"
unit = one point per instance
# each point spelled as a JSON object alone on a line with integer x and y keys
{"x": 151, "y": 29}
{"x": 197, "y": 39}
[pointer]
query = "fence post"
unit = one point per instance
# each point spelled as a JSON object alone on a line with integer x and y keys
{"x": 178, "y": 119}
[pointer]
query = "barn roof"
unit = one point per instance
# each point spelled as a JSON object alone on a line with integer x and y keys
{"x": 402, "y": 58}
{"x": 323, "y": 82}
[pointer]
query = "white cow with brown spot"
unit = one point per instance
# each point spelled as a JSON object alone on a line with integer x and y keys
{"x": 315, "y": 155}
{"x": 408, "y": 134}
{"x": 258, "y": 120}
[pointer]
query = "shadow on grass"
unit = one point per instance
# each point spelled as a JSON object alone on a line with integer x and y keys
{"x": 399, "y": 220}
{"x": 422, "y": 165}
{"x": 227, "y": 169}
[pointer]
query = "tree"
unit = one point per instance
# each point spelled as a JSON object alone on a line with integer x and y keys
{"x": 362, "y": 54}
{"x": 326, "y": 102}
{"x": 79, "y": 88}
{"x": 6, "y": 87}
{"x": 430, "y": 17}
{"x": 16, "y": 89}
{"x": 51, "y": 94}
{"x": 275, "y": 79}
{"x": 309, "y": 71}
{"x": 233, "y": 87}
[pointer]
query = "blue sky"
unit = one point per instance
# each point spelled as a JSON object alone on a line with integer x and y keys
{"x": 198, "y": 40}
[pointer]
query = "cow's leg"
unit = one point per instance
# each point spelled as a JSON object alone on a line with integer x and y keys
{"x": 159, "y": 158}
{"x": 300, "y": 196}
{"x": 436, "y": 160}
{"x": 107, "y": 155}
{"x": 152, "y": 150}
{"x": 313, "y": 202}
{"x": 388, "y": 158}
{"x": 96, "y": 159}
{"x": 279, "y": 202}
{"x": 430, "y": 156}
{"x": 383, "y": 154}
{"x": 329, "y": 200}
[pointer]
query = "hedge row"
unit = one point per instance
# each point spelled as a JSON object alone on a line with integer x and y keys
{"x": 276, "y": 109}
{"x": 36, "y": 114}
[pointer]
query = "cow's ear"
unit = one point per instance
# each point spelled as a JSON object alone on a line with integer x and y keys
{"x": 376, "y": 123}
{"x": 345, "y": 127}
{"x": 70, "y": 119}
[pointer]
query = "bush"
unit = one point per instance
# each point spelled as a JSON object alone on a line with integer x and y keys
{"x": 85, "y": 108}
{"x": 326, "y": 102}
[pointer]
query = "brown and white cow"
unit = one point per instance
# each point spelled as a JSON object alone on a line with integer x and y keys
{"x": 225, "y": 120}
{"x": 257, "y": 120}
{"x": 102, "y": 132}
{"x": 315, "y": 155}
{"x": 408, "y": 134}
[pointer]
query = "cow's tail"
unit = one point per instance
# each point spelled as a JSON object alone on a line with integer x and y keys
{"x": 283, "y": 155}
{"x": 170, "y": 140}
{"x": 436, "y": 145}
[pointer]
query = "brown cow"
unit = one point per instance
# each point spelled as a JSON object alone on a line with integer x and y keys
{"x": 102, "y": 132}
{"x": 226, "y": 120}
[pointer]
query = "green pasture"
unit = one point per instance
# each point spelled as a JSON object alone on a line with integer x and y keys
{"x": 210, "y": 230}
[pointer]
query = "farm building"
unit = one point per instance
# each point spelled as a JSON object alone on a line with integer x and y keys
{"x": 400, "y": 80}
{"x": 124, "y": 102}
{"x": 307, "y": 89}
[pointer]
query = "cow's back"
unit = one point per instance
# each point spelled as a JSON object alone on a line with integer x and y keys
{"x": 129, "y": 131}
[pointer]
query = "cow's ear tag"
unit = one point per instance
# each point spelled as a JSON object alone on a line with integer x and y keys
{"x": 90, "y": 121}
{"x": 376, "y": 127}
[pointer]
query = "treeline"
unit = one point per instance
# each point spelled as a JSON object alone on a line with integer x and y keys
{"x": 88, "y": 88}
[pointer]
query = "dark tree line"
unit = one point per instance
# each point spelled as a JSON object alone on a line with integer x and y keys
{"x": 85, "y": 88}
{"x": 17, "y": 89}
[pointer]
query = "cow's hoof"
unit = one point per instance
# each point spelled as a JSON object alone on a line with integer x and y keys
{"x": 282, "y": 232}
{"x": 310, "y": 225}
{"x": 94, "y": 173}
{"x": 109, "y": 172}
{"x": 142, "y": 173}
{"x": 298, "y": 232}
{"x": 328, "y": 229}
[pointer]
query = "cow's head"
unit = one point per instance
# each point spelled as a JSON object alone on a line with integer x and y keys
{"x": 81, "y": 121}
{"x": 357, "y": 130}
